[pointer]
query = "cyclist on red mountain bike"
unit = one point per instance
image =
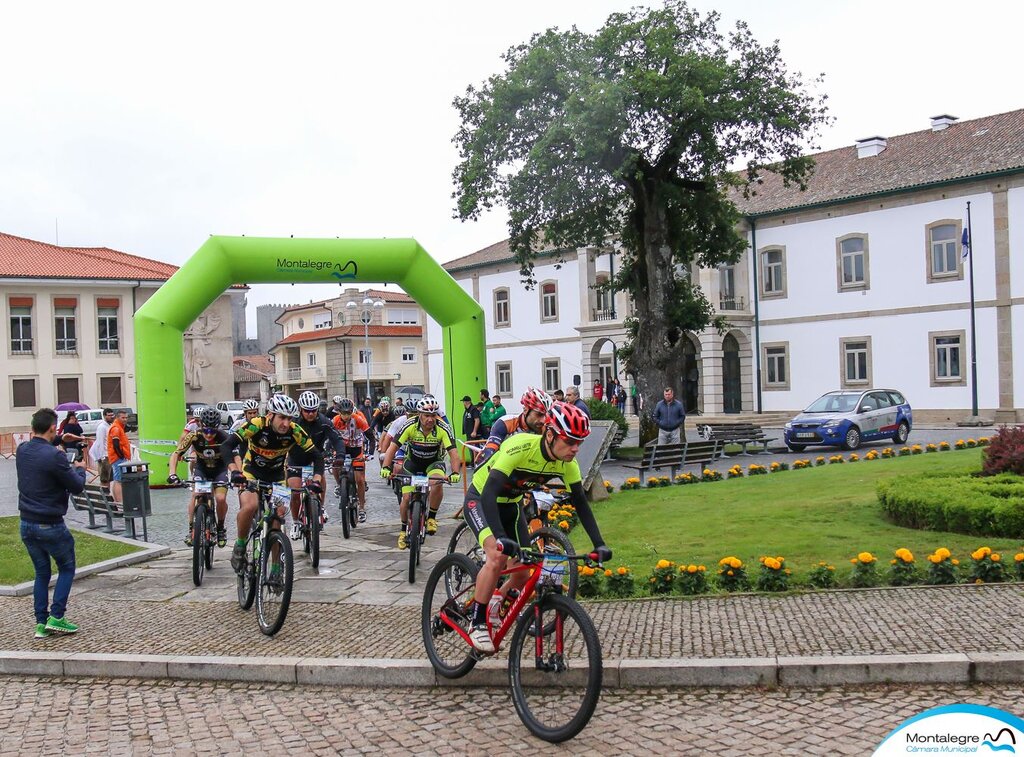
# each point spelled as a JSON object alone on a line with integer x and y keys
{"x": 492, "y": 508}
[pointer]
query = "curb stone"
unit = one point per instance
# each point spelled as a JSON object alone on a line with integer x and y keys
{"x": 974, "y": 667}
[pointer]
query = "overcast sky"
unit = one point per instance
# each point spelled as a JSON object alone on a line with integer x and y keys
{"x": 146, "y": 131}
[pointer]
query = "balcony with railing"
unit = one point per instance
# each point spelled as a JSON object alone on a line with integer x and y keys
{"x": 730, "y": 302}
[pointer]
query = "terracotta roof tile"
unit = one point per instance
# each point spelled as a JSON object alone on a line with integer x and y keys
{"x": 963, "y": 150}
{"x": 258, "y": 363}
{"x": 28, "y": 258}
{"x": 380, "y": 294}
{"x": 357, "y": 330}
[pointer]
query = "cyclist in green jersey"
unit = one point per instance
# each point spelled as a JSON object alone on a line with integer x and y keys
{"x": 492, "y": 508}
{"x": 425, "y": 441}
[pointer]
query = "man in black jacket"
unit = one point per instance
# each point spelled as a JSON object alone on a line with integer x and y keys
{"x": 45, "y": 480}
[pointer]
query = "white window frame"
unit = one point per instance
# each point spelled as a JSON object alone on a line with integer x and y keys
{"x": 18, "y": 344}
{"x": 774, "y": 354}
{"x": 113, "y": 343}
{"x": 503, "y": 378}
{"x": 844, "y": 255}
{"x": 935, "y": 349}
{"x": 62, "y": 320}
{"x": 321, "y": 321}
{"x": 957, "y": 274}
{"x": 773, "y": 273}
{"x": 402, "y": 316}
{"x": 848, "y": 346}
{"x": 502, "y": 308}
{"x": 548, "y": 302}
{"x": 408, "y": 354}
{"x": 311, "y": 360}
{"x": 551, "y": 367}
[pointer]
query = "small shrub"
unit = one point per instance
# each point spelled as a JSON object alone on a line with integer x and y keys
{"x": 630, "y": 483}
{"x": 971, "y": 443}
{"x": 871, "y": 455}
{"x": 774, "y": 575}
{"x": 960, "y": 444}
{"x": 693, "y": 579}
{"x": 710, "y": 475}
{"x": 916, "y": 450}
{"x": 735, "y": 471}
{"x": 779, "y": 466}
{"x": 931, "y": 448}
{"x": 732, "y": 574}
{"x": 1005, "y": 452}
{"x": 943, "y": 568}
{"x": 943, "y": 446}
{"x": 619, "y": 582}
{"x": 987, "y": 567}
{"x": 686, "y": 478}
{"x": 608, "y": 487}
{"x": 854, "y": 457}
{"x": 902, "y": 570}
{"x": 757, "y": 470}
{"x": 820, "y": 460}
{"x": 599, "y": 410}
{"x": 887, "y": 452}
{"x": 801, "y": 464}
{"x": 590, "y": 582}
{"x": 865, "y": 572}
{"x": 653, "y": 482}
{"x": 1018, "y": 566}
{"x": 904, "y": 451}
{"x": 662, "y": 577}
{"x": 823, "y": 576}
{"x": 983, "y": 441}
{"x": 836, "y": 460}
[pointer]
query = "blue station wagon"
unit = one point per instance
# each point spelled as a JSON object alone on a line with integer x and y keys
{"x": 845, "y": 419}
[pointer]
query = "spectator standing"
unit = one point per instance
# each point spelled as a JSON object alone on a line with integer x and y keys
{"x": 669, "y": 415}
{"x": 620, "y": 397}
{"x": 558, "y": 395}
{"x": 118, "y": 450}
{"x": 497, "y": 410}
{"x": 470, "y": 419}
{"x": 634, "y": 394}
{"x": 45, "y": 480}
{"x": 98, "y": 450}
{"x": 486, "y": 410}
{"x": 598, "y": 390}
{"x": 572, "y": 396}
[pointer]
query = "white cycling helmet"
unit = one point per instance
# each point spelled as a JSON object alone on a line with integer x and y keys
{"x": 282, "y": 404}
{"x": 197, "y": 411}
{"x": 251, "y": 405}
{"x": 309, "y": 401}
{"x": 428, "y": 404}
{"x": 336, "y": 399}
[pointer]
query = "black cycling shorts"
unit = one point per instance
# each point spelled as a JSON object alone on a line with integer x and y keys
{"x": 512, "y": 522}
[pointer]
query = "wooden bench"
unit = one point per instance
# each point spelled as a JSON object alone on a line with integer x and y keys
{"x": 677, "y": 456}
{"x": 95, "y": 500}
{"x": 743, "y": 434}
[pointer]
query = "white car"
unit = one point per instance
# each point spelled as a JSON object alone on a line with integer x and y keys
{"x": 230, "y": 412}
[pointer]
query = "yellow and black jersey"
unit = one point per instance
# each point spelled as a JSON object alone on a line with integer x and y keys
{"x": 267, "y": 449}
{"x": 425, "y": 446}
{"x": 209, "y": 452}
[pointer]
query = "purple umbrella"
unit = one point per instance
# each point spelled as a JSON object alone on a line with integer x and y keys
{"x": 76, "y": 406}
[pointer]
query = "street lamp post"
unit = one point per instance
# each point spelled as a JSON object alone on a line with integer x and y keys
{"x": 366, "y": 315}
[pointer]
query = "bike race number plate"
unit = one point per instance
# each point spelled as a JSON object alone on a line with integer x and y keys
{"x": 307, "y": 472}
{"x": 202, "y": 487}
{"x": 420, "y": 481}
{"x": 281, "y": 494}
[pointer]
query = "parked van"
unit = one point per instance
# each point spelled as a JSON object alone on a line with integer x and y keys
{"x": 88, "y": 419}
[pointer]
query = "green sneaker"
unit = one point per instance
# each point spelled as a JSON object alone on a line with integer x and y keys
{"x": 60, "y": 625}
{"x": 41, "y": 632}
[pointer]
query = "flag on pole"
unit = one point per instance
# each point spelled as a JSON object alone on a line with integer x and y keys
{"x": 965, "y": 240}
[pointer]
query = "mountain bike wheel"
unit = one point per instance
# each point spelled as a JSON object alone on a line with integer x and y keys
{"x": 413, "y": 536}
{"x": 353, "y": 505}
{"x": 313, "y": 519}
{"x": 198, "y": 543}
{"x": 304, "y": 521}
{"x": 246, "y": 578}
{"x": 211, "y": 537}
{"x": 275, "y": 587}
{"x": 449, "y": 653}
{"x": 464, "y": 542}
{"x": 555, "y": 678}
{"x": 344, "y": 505}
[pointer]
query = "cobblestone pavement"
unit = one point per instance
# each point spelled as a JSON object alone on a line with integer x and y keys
{"x": 119, "y": 716}
{"x": 894, "y": 621}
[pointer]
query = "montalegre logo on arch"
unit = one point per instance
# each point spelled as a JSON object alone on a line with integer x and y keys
{"x": 348, "y": 270}
{"x": 957, "y": 729}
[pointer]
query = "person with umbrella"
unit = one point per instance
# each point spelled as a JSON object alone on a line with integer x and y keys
{"x": 70, "y": 435}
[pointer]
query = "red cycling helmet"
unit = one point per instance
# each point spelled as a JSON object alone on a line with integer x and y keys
{"x": 536, "y": 399}
{"x": 568, "y": 421}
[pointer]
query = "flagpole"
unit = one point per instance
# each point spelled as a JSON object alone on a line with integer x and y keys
{"x": 974, "y": 351}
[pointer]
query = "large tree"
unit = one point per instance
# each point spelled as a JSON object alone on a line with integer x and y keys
{"x": 631, "y": 135}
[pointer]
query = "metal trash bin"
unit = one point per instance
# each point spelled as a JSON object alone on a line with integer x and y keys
{"x": 135, "y": 495}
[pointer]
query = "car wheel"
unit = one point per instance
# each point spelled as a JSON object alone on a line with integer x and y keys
{"x": 902, "y": 432}
{"x": 796, "y": 447}
{"x": 852, "y": 440}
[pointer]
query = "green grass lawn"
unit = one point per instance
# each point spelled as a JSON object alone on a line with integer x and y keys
{"x": 826, "y": 513}
{"x": 16, "y": 567}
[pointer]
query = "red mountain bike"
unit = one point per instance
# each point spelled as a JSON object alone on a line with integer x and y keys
{"x": 554, "y": 672}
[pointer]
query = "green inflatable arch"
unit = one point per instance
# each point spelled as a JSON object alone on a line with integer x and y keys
{"x": 223, "y": 261}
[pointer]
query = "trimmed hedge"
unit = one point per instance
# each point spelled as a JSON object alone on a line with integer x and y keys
{"x": 963, "y": 504}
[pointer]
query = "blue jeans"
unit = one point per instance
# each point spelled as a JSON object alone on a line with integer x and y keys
{"x": 43, "y": 542}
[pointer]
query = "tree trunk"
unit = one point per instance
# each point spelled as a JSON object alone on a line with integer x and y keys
{"x": 656, "y": 360}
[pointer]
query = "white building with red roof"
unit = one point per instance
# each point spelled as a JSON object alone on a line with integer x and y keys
{"x": 327, "y": 348}
{"x": 69, "y": 333}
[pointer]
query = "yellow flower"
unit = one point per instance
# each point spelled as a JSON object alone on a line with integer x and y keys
{"x": 892, "y": 562}
{"x": 736, "y": 563}
{"x": 978, "y": 581}
{"x": 607, "y": 573}
{"x": 701, "y": 568}
{"x": 564, "y": 525}
{"x": 905, "y": 554}
{"x": 728, "y": 572}
{"x": 934, "y": 559}
{"x": 956, "y": 562}
{"x": 622, "y": 571}
{"x": 772, "y": 563}
{"x": 831, "y": 567}
{"x": 1019, "y": 557}
{"x": 996, "y": 557}
{"x": 853, "y": 560}
{"x": 691, "y": 569}
{"x": 943, "y": 553}
{"x": 866, "y": 557}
